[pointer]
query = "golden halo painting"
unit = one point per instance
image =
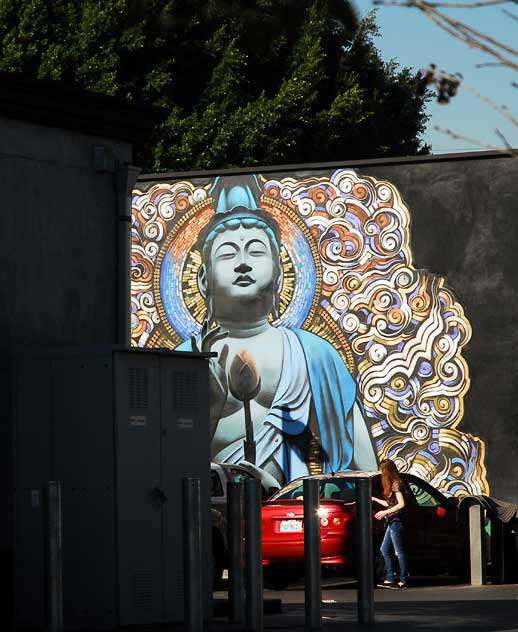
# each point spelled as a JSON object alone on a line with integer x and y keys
{"x": 338, "y": 350}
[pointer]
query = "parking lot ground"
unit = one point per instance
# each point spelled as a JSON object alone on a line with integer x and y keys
{"x": 427, "y": 605}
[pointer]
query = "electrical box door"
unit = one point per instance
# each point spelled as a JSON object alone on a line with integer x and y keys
{"x": 185, "y": 452}
{"x": 139, "y": 485}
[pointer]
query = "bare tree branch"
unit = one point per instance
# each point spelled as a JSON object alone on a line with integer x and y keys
{"x": 447, "y": 5}
{"x": 473, "y": 43}
{"x": 504, "y": 54}
{"x": 448, "y": 132}
{"x": 468, "y": 5}
{"x": 461, "y": 31}
{"x": 513, "y": 16}
{"x": 471, "y": 32}
{"x": 501, "y": 110}
{"x": 503, "y": 139}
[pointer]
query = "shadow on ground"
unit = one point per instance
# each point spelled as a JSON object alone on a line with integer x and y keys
{"x": 418, "y": 616}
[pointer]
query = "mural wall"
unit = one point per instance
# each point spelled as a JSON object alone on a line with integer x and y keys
{"x": 334, "y": 352}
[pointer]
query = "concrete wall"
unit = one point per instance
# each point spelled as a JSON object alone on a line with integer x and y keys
{"x": 59, "y": 230}
{"x": 58, "y": 273}
{"x": 465, "y": 228}
{"x": 65, "y": 166}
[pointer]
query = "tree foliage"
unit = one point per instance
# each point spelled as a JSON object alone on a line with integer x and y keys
{"x": 240, "y": 82}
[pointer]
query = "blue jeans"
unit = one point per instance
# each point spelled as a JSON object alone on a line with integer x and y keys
{"x": 394, "y": 540}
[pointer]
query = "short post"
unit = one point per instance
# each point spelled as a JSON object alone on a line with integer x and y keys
{"x": 254, "y": 562}
{"x": 365, "y": 551}
{"x": 236, "y": 595}
{"x": 192, "y": 580}
{"x": 54, "y": 557}
{"x": 511, "y": 554}
{"x": 498, "y": 560}
{"x": 312, "y": 566}
{"x": 477, "y": 549}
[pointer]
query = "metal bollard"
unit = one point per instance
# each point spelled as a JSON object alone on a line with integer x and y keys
{"x": 312, "y": 567}
{"x": 192, "y": 581}
{"x": 477, "y": 549}
{"x": 365, "y": 551}
{"x": 54, "y": 557}
{"x": 254, "y": 562}
{"x": 236, "y": 595}
{"x": 498, "y": 559}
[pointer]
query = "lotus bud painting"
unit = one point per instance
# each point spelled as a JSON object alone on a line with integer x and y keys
{"x": 244, "y": 383}
{"x": 243, "y": 378}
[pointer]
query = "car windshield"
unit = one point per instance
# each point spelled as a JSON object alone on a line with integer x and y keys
{"x": 335, "y": 489}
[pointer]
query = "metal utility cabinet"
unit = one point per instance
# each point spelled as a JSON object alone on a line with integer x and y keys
{"x": 119, "y": 428}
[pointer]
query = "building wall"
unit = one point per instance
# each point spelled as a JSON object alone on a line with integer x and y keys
{"x": 462, "y": 233}
{"x": 465, "y": 228}
{"x": 59, "y": 231}
{"x": 65, "y": 173}
{"x": 58, "y": 272}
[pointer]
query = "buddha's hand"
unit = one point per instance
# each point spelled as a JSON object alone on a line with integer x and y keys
{"x": 218, "y": 383}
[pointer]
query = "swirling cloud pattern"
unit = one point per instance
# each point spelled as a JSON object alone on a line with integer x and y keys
{"x": 404, "y": 326}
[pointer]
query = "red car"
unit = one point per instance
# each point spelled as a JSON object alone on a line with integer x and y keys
{"x": 436, "y": 540}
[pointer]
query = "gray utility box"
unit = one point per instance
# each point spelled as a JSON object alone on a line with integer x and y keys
{"x": 119, "y": 428}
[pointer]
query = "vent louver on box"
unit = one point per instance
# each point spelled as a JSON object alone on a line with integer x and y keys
{"x": 142, "y": 589}
{"x": 186, "y": 390}
{"x": 138, "y": 387}
{"x": 179, "y": 583}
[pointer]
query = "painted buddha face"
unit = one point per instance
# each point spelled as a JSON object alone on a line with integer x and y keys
{"x": 243, "y": 267}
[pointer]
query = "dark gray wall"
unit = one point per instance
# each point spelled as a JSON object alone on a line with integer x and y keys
{"x": 465, "y": 228}
{"x": 61, "y": 151}
{"x": 59, "y": 233}
{"x": 58, "y": 272}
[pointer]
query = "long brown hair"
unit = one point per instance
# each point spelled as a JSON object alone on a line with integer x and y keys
{"x": 389, "y": 476}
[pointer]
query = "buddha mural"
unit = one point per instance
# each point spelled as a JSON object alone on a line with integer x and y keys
{"x": 306, "y": 398}
{"x": 332, "y": 351}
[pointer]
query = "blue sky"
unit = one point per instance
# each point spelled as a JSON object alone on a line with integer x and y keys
{"x": 413, "y": 40}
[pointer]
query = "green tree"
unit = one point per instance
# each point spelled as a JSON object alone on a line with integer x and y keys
{"x": 239, "y": 82}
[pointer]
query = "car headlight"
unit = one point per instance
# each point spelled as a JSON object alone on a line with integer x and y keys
{"x": 324, "y": 521}
{"x": 322, "y": 511}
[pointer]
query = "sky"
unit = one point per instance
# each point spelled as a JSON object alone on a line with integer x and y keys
{"x": 411, "y": 39}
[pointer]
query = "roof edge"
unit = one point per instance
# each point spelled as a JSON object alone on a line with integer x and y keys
{"x": 370, "y": 162}
{"x": 56, "y": 104}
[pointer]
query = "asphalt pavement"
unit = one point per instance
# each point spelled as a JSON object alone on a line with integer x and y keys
{"x": 427, "y": 605}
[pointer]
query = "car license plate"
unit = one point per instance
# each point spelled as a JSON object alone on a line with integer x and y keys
{"x": 291, "y": 526}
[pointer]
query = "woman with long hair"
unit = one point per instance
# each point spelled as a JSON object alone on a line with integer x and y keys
{"x": 394, "y": 516}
